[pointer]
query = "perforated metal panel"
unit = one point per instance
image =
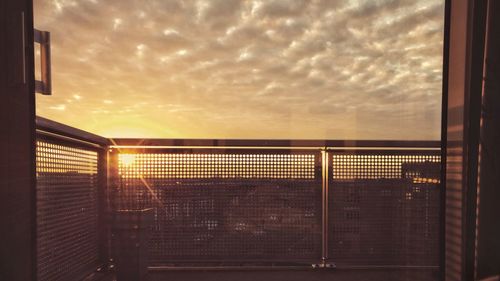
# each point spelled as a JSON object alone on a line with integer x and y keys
{"x": 218, "y": 166}
{"x": 381, "y": 164}
{"x": 250, "y": 205}
{"x": 384, "y": 208}
{"x": 67, "y": 226}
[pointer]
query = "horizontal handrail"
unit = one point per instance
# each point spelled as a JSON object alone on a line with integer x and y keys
{"x": 128, "y": 142}
{"x": 48, "y": 126}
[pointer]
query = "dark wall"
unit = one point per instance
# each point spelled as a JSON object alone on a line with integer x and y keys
{"x": 467, "y": 27}
{"x": 17, "y": 163}
{"x": 488, "y": 245}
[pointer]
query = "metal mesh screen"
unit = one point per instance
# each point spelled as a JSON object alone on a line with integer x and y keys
{"x": 220, "y": 166}
{"x": 250, "y": 205}
{"x": 67, "y": 219}
{"x": 384, "y": 208}
{"x": 383, "y": 164}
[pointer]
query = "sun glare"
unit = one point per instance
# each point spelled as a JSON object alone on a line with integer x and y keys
{"x": 127, "y": 159}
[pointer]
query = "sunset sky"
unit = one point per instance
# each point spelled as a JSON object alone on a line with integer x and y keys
{"x": 289, "y": 69}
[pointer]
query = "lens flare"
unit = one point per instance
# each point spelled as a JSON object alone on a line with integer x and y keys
{"x": 127, "y": 159}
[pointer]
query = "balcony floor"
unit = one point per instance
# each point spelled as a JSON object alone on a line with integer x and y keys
{"x": 289, "y": 275}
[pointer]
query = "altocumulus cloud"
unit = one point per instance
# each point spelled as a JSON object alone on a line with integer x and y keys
{"x": 353, "y": 69}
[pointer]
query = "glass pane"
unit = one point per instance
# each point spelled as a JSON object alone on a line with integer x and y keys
{"x": 320, "y": 124}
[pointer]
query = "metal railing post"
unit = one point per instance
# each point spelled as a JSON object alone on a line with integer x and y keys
{"x": 103, "y": 209}
{"x": 113, "y": 196}
{"x": 113, "y": 180}
{"x": 325, "y": 167}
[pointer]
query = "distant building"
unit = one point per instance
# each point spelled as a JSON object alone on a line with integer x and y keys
{"x": 387, "y": 221}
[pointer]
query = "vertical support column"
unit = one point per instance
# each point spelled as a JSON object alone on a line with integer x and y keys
{"x": 444, "y": 143}
{"x": 324, "y": 216}
{"x": 113, "y": 195}
{"x": 325, "y": 168}
{"x": 103, "y": 208}
{"x": 113, "y": 179}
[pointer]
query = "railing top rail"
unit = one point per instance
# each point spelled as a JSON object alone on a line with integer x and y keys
{"x": 46, "y": 126}
{"x": 272, "y": 143}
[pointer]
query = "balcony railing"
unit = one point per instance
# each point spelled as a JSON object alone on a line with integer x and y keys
{"x": 70, "y": 202}
{"x": 238, "y": 202}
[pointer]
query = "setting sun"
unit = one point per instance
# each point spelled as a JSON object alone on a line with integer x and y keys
{"x": 127, "y": 159}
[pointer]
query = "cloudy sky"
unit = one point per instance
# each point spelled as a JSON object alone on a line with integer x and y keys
{"x": 293, "y": 69}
